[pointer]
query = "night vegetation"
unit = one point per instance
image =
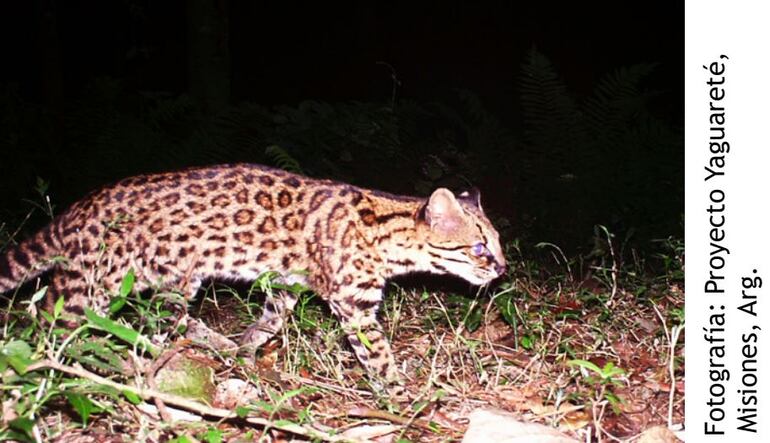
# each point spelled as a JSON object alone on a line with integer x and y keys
{"x": 584, "y": 184}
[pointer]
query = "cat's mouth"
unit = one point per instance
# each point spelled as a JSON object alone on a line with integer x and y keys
{"x": 483, "y": 276}
{"x": 492, "y": 270}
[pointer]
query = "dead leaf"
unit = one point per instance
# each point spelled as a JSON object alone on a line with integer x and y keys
{"x": 234, "y": 392}
{"x": 658, "y": 434}
{"x": 9, "y": 410}
{"x": 188, "y": 377}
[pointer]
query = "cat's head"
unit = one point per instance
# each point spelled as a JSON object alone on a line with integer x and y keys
{"x": 459, "y": 239}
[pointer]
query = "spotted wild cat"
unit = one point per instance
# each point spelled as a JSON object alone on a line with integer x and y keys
{"x": 234, "y": 222}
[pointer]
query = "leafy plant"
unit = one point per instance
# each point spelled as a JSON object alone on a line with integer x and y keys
{"x": 573, "y": 148}
{"x": 672, "y": 257}
{"x": 467, "y": 309}
{"x": 606, "y": 374}
{"x": 283, "y": 159}
{"x": 603, "y": 378}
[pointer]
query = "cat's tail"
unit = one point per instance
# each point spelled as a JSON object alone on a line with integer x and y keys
{"x": 30, "y": 258}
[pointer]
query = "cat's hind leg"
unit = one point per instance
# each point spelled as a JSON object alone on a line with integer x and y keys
{"x": 277, "y": 307}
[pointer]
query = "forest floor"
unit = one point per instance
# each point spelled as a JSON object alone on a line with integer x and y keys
{"x": 598, "y": 358}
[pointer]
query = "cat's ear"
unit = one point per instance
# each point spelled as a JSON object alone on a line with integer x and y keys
{"x": 443, "y": 212}
{"x": 471, "y": 196}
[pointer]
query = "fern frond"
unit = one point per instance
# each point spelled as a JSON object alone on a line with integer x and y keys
{"x": 553, "y": 134}
{"x": 615, "y": 101}
{"x": 165, "y": 108}
{"x": 283, "y": 159}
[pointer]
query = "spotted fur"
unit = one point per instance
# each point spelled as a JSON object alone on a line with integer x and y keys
{"x": 234, "y": 222}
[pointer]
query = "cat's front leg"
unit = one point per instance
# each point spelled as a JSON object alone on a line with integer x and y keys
{"x": 358, "y": 316}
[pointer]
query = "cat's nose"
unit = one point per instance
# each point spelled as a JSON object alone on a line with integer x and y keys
{"x": 500, "y": 268}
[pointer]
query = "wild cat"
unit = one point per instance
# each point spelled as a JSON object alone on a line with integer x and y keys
{"x": 234, "y": 222}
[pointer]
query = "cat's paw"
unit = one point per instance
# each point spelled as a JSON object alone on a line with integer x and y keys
{"x": 199, "y": 332}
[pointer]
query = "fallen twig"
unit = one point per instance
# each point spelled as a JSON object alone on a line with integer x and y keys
{"x": 150, "y": 377}
{"x": 185, "y": 403}
{"x": 387, "y": 416}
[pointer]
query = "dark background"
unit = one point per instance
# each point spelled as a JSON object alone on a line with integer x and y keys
{"x": 565, "y": 115}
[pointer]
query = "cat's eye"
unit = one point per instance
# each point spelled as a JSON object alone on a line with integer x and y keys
{"x": 479, "y": 249}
